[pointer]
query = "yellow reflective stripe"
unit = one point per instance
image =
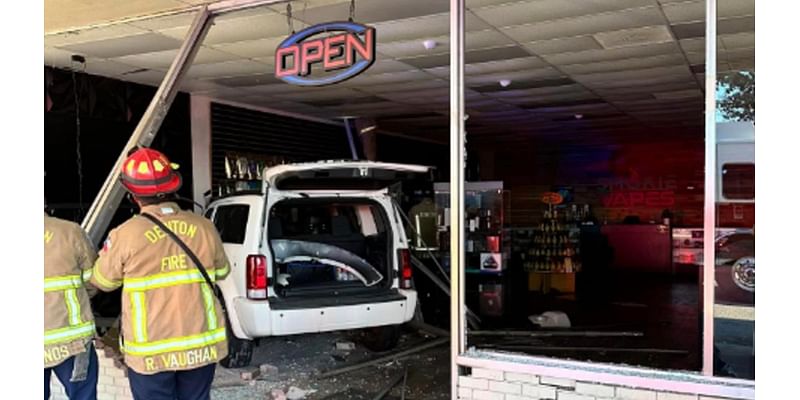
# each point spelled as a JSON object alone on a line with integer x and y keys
{"x": 163, "y": 280}
{"x": 87, "y": 274}
{"x": 175, "y": 344}
{"x": 222, "y": 271}
{"x": 59, "y": 283}
{"x": 73, "y": 306}
{"x": 108, "y": 284}
{"x": 69, "y": 333}
{"x": 211, "y": 313}
{"x": 139, "y": 316}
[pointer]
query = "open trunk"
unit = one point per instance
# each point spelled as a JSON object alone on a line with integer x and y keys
{"x": 329, "y": 247}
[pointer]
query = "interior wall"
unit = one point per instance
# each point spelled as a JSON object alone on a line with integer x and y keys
{"x": 109, "y": 112}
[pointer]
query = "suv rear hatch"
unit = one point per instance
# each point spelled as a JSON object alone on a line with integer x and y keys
{"x": 341, "y": 175}
{"x": 331, "y": 249}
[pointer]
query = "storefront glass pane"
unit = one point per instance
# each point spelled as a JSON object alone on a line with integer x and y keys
{"x": 585, "y": 143}
{"x": 734, "y": 302}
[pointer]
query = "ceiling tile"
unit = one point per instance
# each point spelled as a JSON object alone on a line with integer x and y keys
{"x": 517, "y": 85}
{"x": 385, "y": 66}
{"x": 528, "y": 12}
{"x": 502, "y": 93}
{"x": 724, "y": 26}
{"x": 117, "y": 47}
{"x": 564, "y": 45}
{"x": 57, "y": 58}
{"x": 394, "y": 77}
{"x": 634, "y": 37}
{"x": 687, "y": 11}
{"x": 241, "y": 29}
{"x": 227, "y": 69}
{"x": 695, "y": 11}
{"x": 368, "y": 12}
{"x": 259, "y": 48}
{"x": 513, "y": 64}
{"x": 746, "y": 40}
{"x": 249, "y": 80}
{"x": 474, "y": 40}
{"x": 473, "y": 56}
{"x": 163, "y": 59}
{"x": 592, "y": 56}
{"x": 423, "y": 27}
{"x": 626, "y": 64}
{"x": 634, "y": 18}
{"x": 522, "y": 75}
{"x": 396, "y": 87}
{"x": 681, "y": 71}
{"x": 165, "y": 22}
{"x": 146, "y": 77}
{"x": 92, "y": 35}
{"x": 110, "y": 68}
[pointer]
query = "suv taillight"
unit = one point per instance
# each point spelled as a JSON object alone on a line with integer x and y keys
{"x": 404, "y": 258}
{"x": 257, "y": 276}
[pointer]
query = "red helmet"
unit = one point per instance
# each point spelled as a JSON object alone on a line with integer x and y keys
{"x": 148, "y": 173}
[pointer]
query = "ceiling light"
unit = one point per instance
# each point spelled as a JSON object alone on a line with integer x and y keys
{"x": 578, "y": 116}
{"x": 505, "y": 82}
{"x": 429, "y": 44}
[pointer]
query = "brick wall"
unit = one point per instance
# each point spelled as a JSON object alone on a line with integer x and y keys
{"x": 488, "y": 384}
{"x": 112, "y": 377}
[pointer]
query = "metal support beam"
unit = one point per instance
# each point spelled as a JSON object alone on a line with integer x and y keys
{"x": 457, "y": 316}
{"x": 110, "y": 195}
{"x": 710, "y": 192}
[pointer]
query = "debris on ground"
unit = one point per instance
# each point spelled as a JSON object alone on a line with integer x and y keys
{"x": 296, "y": 393}
{"x": 250, "y": 374}
{"x": 300, "y": 360}
{"x": 278, "y": 394}
{"x": 345, "y": 346}
{"x": 268, "y": 370}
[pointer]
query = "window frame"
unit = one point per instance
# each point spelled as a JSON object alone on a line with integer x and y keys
{"x": 704, "y": 382}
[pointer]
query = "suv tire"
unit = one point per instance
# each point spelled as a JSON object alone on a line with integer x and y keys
{"x": 240, "y": 351}
{"x": 381, "y": 338}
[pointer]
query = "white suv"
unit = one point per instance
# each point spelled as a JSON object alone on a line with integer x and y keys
{"x": 320, "y": 248}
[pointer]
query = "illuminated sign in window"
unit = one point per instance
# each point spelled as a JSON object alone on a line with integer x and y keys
{"x": 347, "y": 50}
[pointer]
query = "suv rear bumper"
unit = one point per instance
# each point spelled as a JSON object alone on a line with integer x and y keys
{"x": 258, "y": 319}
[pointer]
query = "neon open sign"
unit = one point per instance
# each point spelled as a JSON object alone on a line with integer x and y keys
{"x": 349, "y": 51}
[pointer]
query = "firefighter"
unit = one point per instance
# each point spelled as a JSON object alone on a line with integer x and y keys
{"x": 173, "y": 329}
{"x": 68, "y": 320}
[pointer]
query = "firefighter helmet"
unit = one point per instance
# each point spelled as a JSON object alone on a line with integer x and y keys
{"x": 148, "y": 173}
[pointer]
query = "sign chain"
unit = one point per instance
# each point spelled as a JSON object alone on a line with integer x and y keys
{"x": 289, "y": 19}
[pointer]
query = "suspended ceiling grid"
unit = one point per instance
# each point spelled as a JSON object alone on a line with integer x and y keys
{"x": 621, "y": 65}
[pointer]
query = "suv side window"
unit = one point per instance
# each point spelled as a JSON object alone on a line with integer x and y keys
{"x": 738, "y": 181}
{"x": 231, "y": 222}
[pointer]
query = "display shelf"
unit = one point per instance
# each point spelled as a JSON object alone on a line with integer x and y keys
{"x": 244, "y": 171}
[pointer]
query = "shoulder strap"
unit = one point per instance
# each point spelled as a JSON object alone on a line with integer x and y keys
{"x": 183, "y": 246}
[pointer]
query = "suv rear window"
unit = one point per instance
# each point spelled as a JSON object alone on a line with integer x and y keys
{"x": 231, "y": 222}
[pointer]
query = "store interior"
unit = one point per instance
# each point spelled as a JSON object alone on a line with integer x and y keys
{"x": 585, "y": 154}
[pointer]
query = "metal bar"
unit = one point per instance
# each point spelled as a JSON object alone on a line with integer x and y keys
{"x": 557, "y": 333}
{"x": 110, "y": 195}
{"x": 350, "y": 139}
{"x": 391, "y": 357}
{"x": 710, "y": 193}
{"x": 457, "y": 326}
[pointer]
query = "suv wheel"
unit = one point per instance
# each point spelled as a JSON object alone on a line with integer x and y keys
{"x": 240, "y": 351}
{"x": 381, "y": 338}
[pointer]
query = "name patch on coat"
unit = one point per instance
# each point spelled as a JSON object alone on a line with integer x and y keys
{"x": 181, "y": 360}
